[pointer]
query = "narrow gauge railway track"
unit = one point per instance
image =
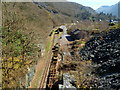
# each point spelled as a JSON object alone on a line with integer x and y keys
{"x": 53, "y": 71}
{"x": 43, "y": 81}
{"x": 44, "y": 76}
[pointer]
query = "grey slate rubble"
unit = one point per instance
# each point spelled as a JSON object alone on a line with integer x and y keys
{"x": 68, "y": 81}
{"x": 104, "y": 49}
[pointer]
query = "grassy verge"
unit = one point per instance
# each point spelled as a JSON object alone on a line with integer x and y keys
{"x": 0, "y": 78}
{"x": 37, "y": 77}
{"x": 41, "y": 64}
{"x": 49, "y": 43}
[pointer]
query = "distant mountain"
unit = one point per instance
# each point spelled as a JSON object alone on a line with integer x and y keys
{"x": 110, "y": 9}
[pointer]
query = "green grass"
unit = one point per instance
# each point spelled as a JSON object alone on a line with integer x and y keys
{"x": 0, "y": 73}
{"x": 48, "y": 46}
{"x": 49, "y": 43}
{"x": 80, "y": 42}
{"x": 114, "y": 26}
{"x": 47, "y": 49}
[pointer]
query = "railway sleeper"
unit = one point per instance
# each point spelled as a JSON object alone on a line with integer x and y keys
{"x": 51, "y": 72}
{"x": 50, "y": 85}
{"x": 52, "y": 76}
{"x": 55, "y": 58}
{"x": 53, "y": 80}
{"x": 54, "y": 73}
{"x": 53, "y": 67}
{"x": 56, "y": 51}
{"x": 55, "y": 55}
{"x": 56, "y": 48}
{"x": 53, "y": 62}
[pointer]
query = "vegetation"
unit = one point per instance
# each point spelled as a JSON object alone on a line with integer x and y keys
{"x": 82, "y": 70}
{"x": 114, "y": 26}
{"x": 18, "y": 50}
{"x": 25, "y": 29}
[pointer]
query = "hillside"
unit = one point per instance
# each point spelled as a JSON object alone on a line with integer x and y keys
{"x": 110, "y": 9}
{"x": 73, "y": 10}
{"x": 36, "y": 19}
{"x": 25, "y": 32}
{"x": 70, "y": 9}
{"x": 41, "y": 18}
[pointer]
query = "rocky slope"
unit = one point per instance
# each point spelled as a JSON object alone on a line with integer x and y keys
{"x": 104, "y": 49}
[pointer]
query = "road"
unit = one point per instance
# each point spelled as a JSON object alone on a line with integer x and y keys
{"x": 65, "y": 41}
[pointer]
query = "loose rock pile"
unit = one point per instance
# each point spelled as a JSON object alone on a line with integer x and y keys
{"x": 68, "y": 82}
{"x": 104, "y": 49}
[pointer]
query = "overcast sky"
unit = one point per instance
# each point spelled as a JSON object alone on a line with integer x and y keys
{"x": 96, "y": 3}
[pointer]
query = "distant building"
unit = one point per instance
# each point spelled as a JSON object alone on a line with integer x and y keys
{"x": 60, "y": 29}
{"x": 79, "y": 34}
{"x": 75, "y": 34}
{"x": 115, "y": 22}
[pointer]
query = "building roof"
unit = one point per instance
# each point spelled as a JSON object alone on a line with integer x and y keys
{"x": 76, "y": 31}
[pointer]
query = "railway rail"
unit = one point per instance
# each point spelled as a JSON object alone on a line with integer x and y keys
{"x": 48, "y": 74}
{"x": 42, "y": 83}
{"x": 53, "y": 72}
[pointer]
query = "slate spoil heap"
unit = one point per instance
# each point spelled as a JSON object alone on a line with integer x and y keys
{"x": 104, "y": 50}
